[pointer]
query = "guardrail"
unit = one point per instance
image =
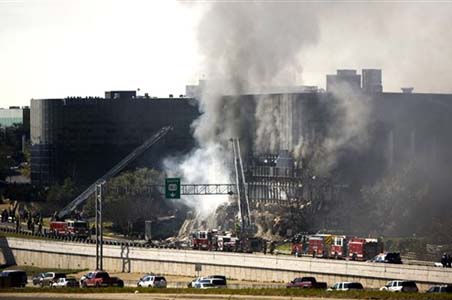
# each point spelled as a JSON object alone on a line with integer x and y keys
{"x": 49, "y": 236}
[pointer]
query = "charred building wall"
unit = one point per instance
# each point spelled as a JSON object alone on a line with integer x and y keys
{"x": 397, "y": 130}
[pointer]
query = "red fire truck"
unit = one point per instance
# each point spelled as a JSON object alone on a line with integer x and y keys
{"x": 327, "y": 245}
{"x": 364, "y": 248}
{"x": 201, "y": 240}
{"x": 70, "y": 228}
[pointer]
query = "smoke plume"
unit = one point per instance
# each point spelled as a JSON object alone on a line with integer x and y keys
{"x": 246, "y": 47}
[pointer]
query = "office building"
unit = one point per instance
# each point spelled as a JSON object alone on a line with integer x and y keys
{"x": 372, "y": 81}
{"x": 82, "y": 138}
{"x": 343, "y": 78}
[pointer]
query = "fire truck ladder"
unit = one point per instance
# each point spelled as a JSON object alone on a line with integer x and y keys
{"x": 242, "y": 189}
{"x": 113, "y": 171}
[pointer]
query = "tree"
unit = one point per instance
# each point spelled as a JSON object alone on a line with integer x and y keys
{"x": 59, "y": 195}
{"x": 127, "y": 199}
{"x": 394, "y": 203}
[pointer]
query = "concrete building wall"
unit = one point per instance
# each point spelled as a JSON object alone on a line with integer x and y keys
{"x": 239, "y": 266}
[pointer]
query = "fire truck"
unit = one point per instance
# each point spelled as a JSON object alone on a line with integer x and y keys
{"x": 70, "y": 228}
{"x": 327, "y": 245}
{"x": 364, "y": 248}
{"x": 201, "y": 240}
{"x": 218, "y": 241}
{"x": 226, "y": 243}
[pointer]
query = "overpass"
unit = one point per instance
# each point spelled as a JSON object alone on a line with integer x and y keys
{"x": 240, "y": 266}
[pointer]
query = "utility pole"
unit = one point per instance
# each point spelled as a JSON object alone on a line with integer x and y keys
{"x": 99, "y": 227}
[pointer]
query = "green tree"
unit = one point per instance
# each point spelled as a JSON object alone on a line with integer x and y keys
{"x": 128, "y": 200}
{"x": 59, "y": 195}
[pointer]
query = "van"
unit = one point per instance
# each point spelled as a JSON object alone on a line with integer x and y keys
{"x": 400, "y": 286}
{"x": 346, "y": 286}
{"x": 13, "y": 278}
{"x": 206, "y": 283}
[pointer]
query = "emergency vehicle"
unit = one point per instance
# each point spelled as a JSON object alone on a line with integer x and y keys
{"x": 201, "y": 240}
{"x": 364, "y": 248}
{"x": 70, "y": 228}
{"x": 327, "y": 245}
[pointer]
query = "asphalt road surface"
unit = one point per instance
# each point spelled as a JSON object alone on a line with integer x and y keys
{"x": 142, "y": 296}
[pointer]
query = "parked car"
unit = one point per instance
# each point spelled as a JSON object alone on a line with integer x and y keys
{"x": 214, "y": 280}
{"x": 400, "y": 286}
{"x": 447, "y": 288}
{"x": 13, "y": 278}
{"x": 51, "y": 277}
{"x": 36, "y": 280}
{"x": 218, "y": 276}
{"x": 346, "y": 286}
{"x": 306, "y": 282}
{"x": 208, "y": 283}
{"x": 388, "y": 257}
{"x": 102, "y": 279}
{"x": 66, "y": 282}
{"x": 152, "y": 281}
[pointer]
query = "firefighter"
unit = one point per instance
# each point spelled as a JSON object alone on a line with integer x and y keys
{"x": 4, "y": 218}
{"x": 272, "y": 247}
{"x": 17, "y": 223}
{"x": 444, "y": 260}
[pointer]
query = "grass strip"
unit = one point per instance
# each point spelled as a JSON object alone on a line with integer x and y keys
{"x": 375, "y": 295}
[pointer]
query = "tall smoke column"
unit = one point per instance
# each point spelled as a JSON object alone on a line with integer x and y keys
{"x": 351, "y": 113}
{"x": 244, "y": 46}
{"x": 250, "y": 46}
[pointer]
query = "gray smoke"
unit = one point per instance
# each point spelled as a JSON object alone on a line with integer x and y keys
{"x": 245, "y": 48}
{"x": 349, "y": 129}
{"x": 251, "y": 47}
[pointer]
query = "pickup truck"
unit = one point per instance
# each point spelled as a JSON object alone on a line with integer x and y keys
{"x": 102, "y": 278}
{"x": 306, "y": 282}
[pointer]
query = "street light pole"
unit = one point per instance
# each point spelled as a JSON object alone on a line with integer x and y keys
{"x": 99, "y": 227}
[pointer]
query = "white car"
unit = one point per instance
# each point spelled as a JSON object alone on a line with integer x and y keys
{"x": 209, "y": 283}
{"x": 400, "y": 286}
{"x": 65, "y": 282}
{"x": 152, "y": 281}
{"x": 346, "y": 286}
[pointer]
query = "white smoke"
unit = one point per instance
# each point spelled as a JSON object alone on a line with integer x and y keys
{"x": 247, "y": 48}
{"x": 244, "y": 46}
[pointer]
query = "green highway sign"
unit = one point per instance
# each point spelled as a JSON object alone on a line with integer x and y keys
{"x": 172, "y": 188}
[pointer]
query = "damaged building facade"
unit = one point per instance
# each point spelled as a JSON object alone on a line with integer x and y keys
{"x": 317, "y": 150}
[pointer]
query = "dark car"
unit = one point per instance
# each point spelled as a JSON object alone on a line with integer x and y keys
{"x": 36, "y": 280}
{"x": 14, "y": 278}
{"x": 440, "y": 289}
{"x": 389, "y": 258}
{"x": 218, "y": 276}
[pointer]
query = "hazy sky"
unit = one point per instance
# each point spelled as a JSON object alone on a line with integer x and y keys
{"x": 58, "y": 48}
